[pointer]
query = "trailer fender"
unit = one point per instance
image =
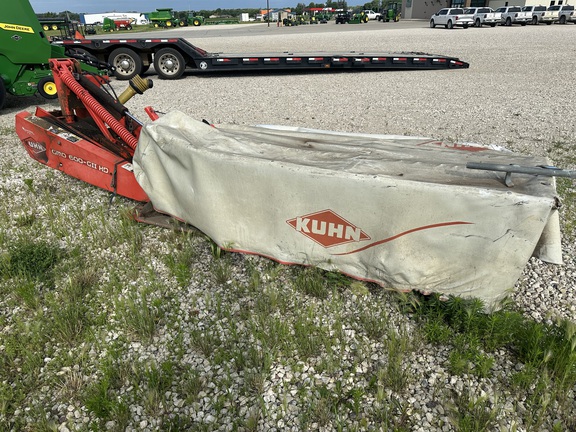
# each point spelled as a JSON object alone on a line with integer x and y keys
{"x": 127, "y": 63}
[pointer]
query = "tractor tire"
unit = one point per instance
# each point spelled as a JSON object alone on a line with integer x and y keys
{"x": 450, "y": 25}
{"x": 126, "y": 62}
{"x": 46, "y": 27}
{"x": 196, "y": 23}
{"x": 156, "y": 25}
{"x": 181, "y": 23}
{"x": 54, "y": 27}
{"x": 169, "y": 63}
{"x": 2, "y": 94}
{"x": 129, "y": 27}
{"x": 47, "y": 88}
{"x": 168, "y": 23}
{"x": 432, "y": 24}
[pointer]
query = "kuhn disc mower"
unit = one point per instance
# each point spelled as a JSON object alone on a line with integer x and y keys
{"x": 345, "y": 202}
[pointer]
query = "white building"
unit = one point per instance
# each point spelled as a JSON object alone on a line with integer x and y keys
{"x": 99, "y": 18}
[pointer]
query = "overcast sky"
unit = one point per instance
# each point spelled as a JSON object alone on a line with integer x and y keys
{"x": 100, "y": 6}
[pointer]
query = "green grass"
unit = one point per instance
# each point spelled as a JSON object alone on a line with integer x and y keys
{"x": 109, "y": 314}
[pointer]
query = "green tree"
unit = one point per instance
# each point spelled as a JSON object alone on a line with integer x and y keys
{"x": 299, "y": 10}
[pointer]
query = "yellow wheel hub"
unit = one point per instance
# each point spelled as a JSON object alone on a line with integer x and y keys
{"x": 50, "y": 88}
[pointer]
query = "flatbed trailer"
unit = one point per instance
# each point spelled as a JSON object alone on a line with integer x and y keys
{"x": 171, "y": 56}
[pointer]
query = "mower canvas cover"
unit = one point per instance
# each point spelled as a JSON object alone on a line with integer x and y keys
{"x": 403, "y": 212}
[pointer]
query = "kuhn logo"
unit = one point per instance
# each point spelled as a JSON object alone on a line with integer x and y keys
{"x": 327, "y": 228}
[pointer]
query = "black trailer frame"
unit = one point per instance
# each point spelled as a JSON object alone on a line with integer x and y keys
{"x": 171, "y": 56}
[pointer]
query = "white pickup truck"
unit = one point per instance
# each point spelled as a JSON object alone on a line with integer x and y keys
{"x": 514, "y": 15}
{"x": 536, "y": 11}
{"x": 450, "y": 18}
{"x": 560, "y": 14}
{"x": 483, "y": 16}
{"x": 371, "y": 14}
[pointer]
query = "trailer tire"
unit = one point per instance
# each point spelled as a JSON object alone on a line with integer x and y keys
{"x": 47, "y": 88}
{"x": 169, "y": 63}
{"x": 127, "y": 63}
{"x": 2, "y": 94}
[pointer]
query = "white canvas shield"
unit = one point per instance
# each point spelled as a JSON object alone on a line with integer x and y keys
{"x": 403, "y": 212}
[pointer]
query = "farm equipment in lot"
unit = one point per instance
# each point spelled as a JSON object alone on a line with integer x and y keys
{"x": 53, "y": 23}
{"x": 351, "y": 18}
{"x": 391, "y": 12}
{"x": 111, "y": 25}
{"x": 163, "y": 17}
{"x": 24, "y": 54}
{"x": 472, "y": 212}
{"x": 25, "y": 51}
{"x": 193, "y": 20}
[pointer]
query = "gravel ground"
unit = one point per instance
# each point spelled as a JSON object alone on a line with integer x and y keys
{"x": 516, "y": 93}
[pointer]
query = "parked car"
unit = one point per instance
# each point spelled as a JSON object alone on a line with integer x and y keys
{"x": 484, "y": 16}
{"x": 536, "y": 12}
{"x": 514, "y": 15}
{"x": 371, "y": 14}
{"x": 450, "y": 18}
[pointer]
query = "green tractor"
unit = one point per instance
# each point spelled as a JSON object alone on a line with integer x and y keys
{"x": 193, "y": 20}
{"x": 358, "y": 18}
{"x": 391, "y": 12}
{"x": 25, "y": 52}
